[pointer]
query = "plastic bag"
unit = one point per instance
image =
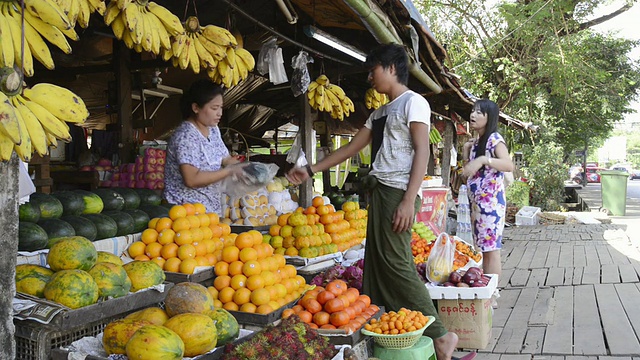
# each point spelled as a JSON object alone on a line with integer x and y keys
{"x": 300, "y": 79}
{"x": 254, "y": 175}
{"x": 277, "y": 72}
{"x": 440, "y": 261}
{"x": 262, "y": 65}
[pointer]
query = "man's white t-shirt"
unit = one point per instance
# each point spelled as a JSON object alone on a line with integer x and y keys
{"x": 391, "y": 147}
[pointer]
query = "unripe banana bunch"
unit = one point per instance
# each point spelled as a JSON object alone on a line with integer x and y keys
{"x": 373, "y": 99}
{"x": 324, "y": 96}
{"x": 434, "y": 136}
{"x": 32, "y": 120}
{"x": 212, "y": 49}
{"x": 142, "y": 25}
{"x": 79, "y": 11}
{"x": 43, "y": 19}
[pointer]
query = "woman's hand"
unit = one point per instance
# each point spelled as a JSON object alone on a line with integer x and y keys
{"x": 473, "y": 166}
{"x": 297, "y": 175}
{"x": 403, "y": 216}
{"x": 230, "y": 160}
{"x": 466, "y": 148}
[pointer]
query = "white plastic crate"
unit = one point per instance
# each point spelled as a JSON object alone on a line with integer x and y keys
{"x": 464, "y": 293}
{"x": 527, "y": 215}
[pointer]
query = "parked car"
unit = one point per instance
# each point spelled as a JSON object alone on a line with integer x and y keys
{"x": 634, "y": 174}
{"x": 593, "y": 174}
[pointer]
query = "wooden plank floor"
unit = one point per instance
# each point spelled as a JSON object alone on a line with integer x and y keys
{"x": 567, "y": 292}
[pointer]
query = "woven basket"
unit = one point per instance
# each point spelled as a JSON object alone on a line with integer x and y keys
{"x": 400, "y": 341}
{"x": 546, "y": 218}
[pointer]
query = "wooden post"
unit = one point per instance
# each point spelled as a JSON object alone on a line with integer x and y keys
{"x": 308, "y": 146}
{"x": 325, "y": 142}
{"x": 9, "y": 171}
{"x": 122, "y": 69}
{"x": 446, "y": 156}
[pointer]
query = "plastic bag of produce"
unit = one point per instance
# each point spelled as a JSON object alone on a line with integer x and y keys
{"x": 300, "y": 79}
{"x": 440, "y": 261}
{"x": 253, "y": 175}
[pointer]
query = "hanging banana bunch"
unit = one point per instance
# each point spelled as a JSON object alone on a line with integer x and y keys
{"x": 79, "y": 11}
{"x": 373, "y": 99}
{"x": 142, "y": 25}
{"x": 324, "y": 96}
{"x": 32, "y": 119}
{"x": 43, "y": 20}
{"x": 434, "y": 136}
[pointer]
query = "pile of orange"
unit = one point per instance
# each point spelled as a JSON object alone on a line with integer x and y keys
{"x": 189, "y": 237}
{"x": 251, "y": 278}
{"x": 395, "y": 323}
{"x": 336, "y": 306}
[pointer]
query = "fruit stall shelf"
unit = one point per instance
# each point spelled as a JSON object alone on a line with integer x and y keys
{"x": 464, "y": 293}
{"x": 199, "y": 276}
{"x": 301, "y": 261}
{"x": 237, "y": 229}
{"x": 68, "y": 319}
{"x": 339, "y": 337}
{"x": 261, "y": 320}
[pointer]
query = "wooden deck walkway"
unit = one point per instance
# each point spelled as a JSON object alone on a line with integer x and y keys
{"x": 568, "y": 292}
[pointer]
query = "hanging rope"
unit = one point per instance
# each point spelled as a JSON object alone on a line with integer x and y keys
{"x": 22, "y": 41}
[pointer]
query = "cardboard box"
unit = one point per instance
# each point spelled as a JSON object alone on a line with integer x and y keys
{"x": 471, "y": 320}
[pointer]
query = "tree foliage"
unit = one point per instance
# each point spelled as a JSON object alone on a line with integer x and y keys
{"x": 542, "y": 63}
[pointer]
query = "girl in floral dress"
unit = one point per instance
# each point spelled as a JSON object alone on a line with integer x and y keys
{"x": 487, "y": 159}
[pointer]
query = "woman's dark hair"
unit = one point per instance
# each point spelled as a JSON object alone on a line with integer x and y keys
{"x": 387, "y": 55}
{"x": 492, "y": 111}
{"x": 200, "y": 92}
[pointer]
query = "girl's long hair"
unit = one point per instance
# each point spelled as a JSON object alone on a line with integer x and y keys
{"x": 492, "y": 111}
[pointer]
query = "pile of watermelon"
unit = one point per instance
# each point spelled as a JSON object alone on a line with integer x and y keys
{"x": 95, "y": 215}
{"x": 146, "y": 173}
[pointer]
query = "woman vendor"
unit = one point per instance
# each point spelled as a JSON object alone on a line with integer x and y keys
{"x": 197, "y": 159}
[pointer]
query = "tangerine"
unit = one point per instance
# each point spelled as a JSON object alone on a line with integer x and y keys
{"x": 237, "y": 282}
{"x": 200, "y": 209}
{"x": 166, "y": 236}
{"x": 149, "y": 236}
{"x": 221, "y": 268}
{"x": 137, "y": 248}
{"x": 177, "y": 211}
{"x": 255, "y": 282}
{"x": 264, "y": 309}
{"x": 321, "y": 318}
{"x": 142, "y": 257}
{"x": 172, "y": 265}
{"x": 230, "y": 254}
{"x": 235, "y": 268}
{"x": 257, "y": 236}
{"x": 191, "y": 210}
{"x": 260, "y": 296}
{"x": 221, "y": 282}
{"x": 242, "y": 296}
{"x": 181, "y": 224}
{"x": 216, "y": 230}
{"x": 226, "y": 295}
{"x": 187, "y": 266}
{"x": 186, "y": 251}
{"x": 248, "y": 254}
{"x": 339, "y": 318}
{"x": 214, "y": 219}
{"x": 152, "y": 223}
{"x": 248, "y": 308}
{"x": 251, "y": 268}
{"x": 226, "y": 229}
{"x": 162, "y": 223}
{"x": 153, "y": 250}
{"x": 317, "y": 201}
{"x": 194, "y": 221}
{"x": 159, "y": 260}
{"x": 183, "y": 237}
{"x": 305, "y": 316}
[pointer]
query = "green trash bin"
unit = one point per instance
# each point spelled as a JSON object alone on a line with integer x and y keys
{"x": 614, "y": 191}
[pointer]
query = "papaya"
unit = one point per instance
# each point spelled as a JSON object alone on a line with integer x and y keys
{"x": 153, "y": 342}
{"x": 117, "y": 333}
{"x": 197, "y": 331}
{"x": 72, "y": 288}
{"x": 227, "y": 326}
{"x": 154, "y": 315}
{"x": 187, "y": 297}
{"x": 112, "y": 280}
{"x": 31, "y": 279}
{"x": 144, "y": 274}
{"x": 75, "y": 252}
{"x": 104, "y": 256}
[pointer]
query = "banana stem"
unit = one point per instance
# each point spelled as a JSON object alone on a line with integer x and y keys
{"x": 192, "y": 24}
{"x": 140, "y": 2}
{"x": 10, "y": 81}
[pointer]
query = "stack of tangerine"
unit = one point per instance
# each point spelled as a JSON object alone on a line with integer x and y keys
{"x": 336, "y": 306}
{"x": 251, "y": 278}
{"x": 189, "y": 237}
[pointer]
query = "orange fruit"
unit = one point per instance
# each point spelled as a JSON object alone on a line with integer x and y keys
{"x": 251, "y": 268}
{"x": 248, "y": 254}
{"x": 274, "y": 230}
{"x": 229, "y": 240}
{"x": 244, "y": 240}
{"x": 166, "y": 236}
{"x": 183, "y": 237}
{"x": 238, "y": 281}
{"x": 317, "y": 201}
{"x": 201, "y": 249}
{"x": 202, "y": 260}
{"x": 221, "y": 268}
{"x": 210, "y": 245}
{"x": 200, "y": 209}
{"x": 177, "y": 211}
{"x": 305, "y": 316}
{"x": 248, "y": 308}
{"x": 172, "y": 264}
{"x": 194, "y": 221}
{"x": 282, "y": 219}
{"x": 153, "y": 250}
{"x": 242, "y": 296}
{"x": 217, "y": 304}
{"x": 231, "y": 306}
{"x": 137, "y": 248}
{"x": 255, "y": 282}
{"x": 230, "y": 254}
{"x": 190, "y": 208}
{"x": 181, "y": 224}
{"x": 235, "y": 268}
{"x": 216, "y": 230}
{"x": 214, "y": 219}
{"x": 268, "y": 277}
{"x": 226, "y": 229}
{"x": 221, "y": 282}
{"x": 212, "y": 259}
{"x": 188, "y": 265}
{"x": 149, "y": 236}
{"x": 152, "y": 223}
{"x": 159, "y": 260}
{"x": 186, "y": 251}
{"x": 273, "y": 292}
{"x": 207, "y": 233}
{"x": 310, "y": 210}
{"x": 264, "y": 309}
{"x": 257, "y": 236}
{"x": 204, "y": 220}
{"x": 197, "y": 234}
{"x": 163, "y": 223}
{"x": 213, "y": 291}
{"x": 226, "y": 295}
{"x": 280, "y": 260}
{"x": 142, "y": 257}
{"x": 260, "y": 297}
{"x": 169, "y": 250}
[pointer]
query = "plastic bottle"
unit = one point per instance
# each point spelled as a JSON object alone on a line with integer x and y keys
{"x": 463, "y": 230}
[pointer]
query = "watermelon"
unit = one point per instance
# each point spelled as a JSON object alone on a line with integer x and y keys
{"x": 140, "y": 219}
{"x": 155, "y": 211}
{"x": 72, "y": 288}
{"x": 123, "y": 220}
{"x": 106, "y": 226}
{"x": 50, "y": 207}
{"x": 226, "y": 324}
{"x": 148, "y": 197}
{"x": 57, "y": 228}
{"x": 72, "y": 203}
{"x": 130, "y": 196}
{"x": 82, "y": 226}
{"x": 111, "y": 199}
{"x": 31, "y": 237}
{"x": 29, "y": 212}
{"x": 92, "y": 202}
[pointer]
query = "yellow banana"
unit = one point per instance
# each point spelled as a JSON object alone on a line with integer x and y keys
{"x": 155, "y": 29}
{"x": 246, "y": 57}
{"x": 7, "y": 56}
{"x": 127, "y": 39}
{"x": 217, "y": 35}
{"x": 38, "y": 47}
{"x": 349, "y": 104}
{"x": 320, "y": 97}
{"x": 84, "y": 13}
{"x": 184, "y": 55}
{"x": 311, "y": 93}
{"x": 242, "y": 68}
{"x": 194, "y": 60}
{"x": 24, "y": 148}
{"x": 122, "y": 4}
{"x": 51, "y": 33}
{"x": 323, "y": 80}
{"x": 33, "y": 126}
{"x": 337, "y": 90}
{"x": 217, "y": 51}
{"x": 97, "y": 6}
{"x": 118, "y": 27}
{"x": 312, "y": 86}
{"x": 16, "y": 37}
{"x": 205, "y": 57}
{"x": 163, "y": 35}
{"x": 167, "y": 54}
{"x": 111, "y": 13}
{"x": 60, "y": 102}
{"x": 223, "y": 68}
{"x": 51, "y": 140}
{"x": 236, "y": 76}
{"x": 171, "y": 22}
{"x": 177, "y": 44}
{"x": 6, "y": 147}
{"x": 50, "y": 123}
{"x": 9, "y": 124}
{"x": 147, "y": 37}
{"x": 133, "y": 20}
{"x": 49, "y": 12}
{"x": 231, "y": 57}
